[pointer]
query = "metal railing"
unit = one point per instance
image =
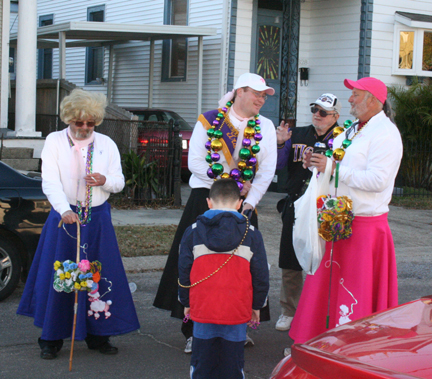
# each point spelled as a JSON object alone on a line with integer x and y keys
{"x": 414, "y": 178}
{"x": 147, "y": 150}
{"x": 155, "y": 142}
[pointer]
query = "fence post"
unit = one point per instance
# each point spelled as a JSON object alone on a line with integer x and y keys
{"x": 177, "y": 164}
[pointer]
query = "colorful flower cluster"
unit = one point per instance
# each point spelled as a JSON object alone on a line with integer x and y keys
{"x": 81, "y": 276}
{"x": 335, "y": 217}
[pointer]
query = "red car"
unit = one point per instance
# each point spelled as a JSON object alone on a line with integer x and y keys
{"x": 396, "y": 343}
{"x": 161, "y": 140}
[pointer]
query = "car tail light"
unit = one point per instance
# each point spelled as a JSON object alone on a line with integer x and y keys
{"x": 143, "y": 141}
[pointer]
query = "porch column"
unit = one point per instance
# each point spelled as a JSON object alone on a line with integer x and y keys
{"x": 25, "y": 114}
{"x": 110, "y": 72}
{"x": 151, "y": 74}
{"x": 4, "y": 63}
{"x": 62, "y": 55}
{"x": 200, "y": 74}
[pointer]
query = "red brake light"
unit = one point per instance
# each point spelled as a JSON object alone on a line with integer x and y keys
{"x": 143, "y": 141}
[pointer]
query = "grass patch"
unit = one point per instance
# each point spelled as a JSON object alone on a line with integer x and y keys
{"x": 412, "y": 202}
{"x": 143, "y": 240}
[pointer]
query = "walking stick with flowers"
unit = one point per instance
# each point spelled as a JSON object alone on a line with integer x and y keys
{"x": 81, "y": 275}
{"x": 335, "y": 213}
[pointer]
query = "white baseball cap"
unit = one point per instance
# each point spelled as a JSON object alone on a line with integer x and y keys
{"x": 329, "y": 102}
{"x": 253, "y": 81}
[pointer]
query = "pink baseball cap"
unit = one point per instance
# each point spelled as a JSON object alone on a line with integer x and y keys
{"x": 374, "y": 86}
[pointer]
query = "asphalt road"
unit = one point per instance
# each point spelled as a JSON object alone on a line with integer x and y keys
{"x": 156, "y": 350}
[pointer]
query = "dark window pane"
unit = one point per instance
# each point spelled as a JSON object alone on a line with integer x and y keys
{"x": 97, "y": 16}
{"x": 179, "y": 12}
{"x": 11, "y": 55}
{"x": 95, "y": 55}
{"x": 178, "y": 57}
{"x": 427, "y": 52}
{"x": 47, "y": 63}
{"x": 175, "y": 51}
{"x": 45, "y": 55}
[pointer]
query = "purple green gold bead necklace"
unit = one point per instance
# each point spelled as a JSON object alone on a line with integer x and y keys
{"x": 84, "y": 208}
{"x": 247, "y": 154}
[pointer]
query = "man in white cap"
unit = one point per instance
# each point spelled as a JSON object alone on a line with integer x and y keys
{"x": 325, "y": 113}
{"x": 231, "y": 141}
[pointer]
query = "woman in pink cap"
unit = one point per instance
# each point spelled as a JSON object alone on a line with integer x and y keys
{"x": 364, "y": 277}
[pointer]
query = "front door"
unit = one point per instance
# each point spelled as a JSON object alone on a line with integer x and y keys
{"x": 268, "y": 56}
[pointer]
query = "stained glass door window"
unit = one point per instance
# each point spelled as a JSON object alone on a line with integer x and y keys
{"x": 268, "y": 51}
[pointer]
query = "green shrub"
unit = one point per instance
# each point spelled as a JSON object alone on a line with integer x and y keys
{"x": 413, "y": 116}
{"x": 140, "y": 175}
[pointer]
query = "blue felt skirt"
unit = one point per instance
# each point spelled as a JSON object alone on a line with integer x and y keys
{"x": 53, "y": 311}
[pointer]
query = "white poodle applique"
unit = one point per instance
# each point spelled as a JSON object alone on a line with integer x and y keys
{"x": 97, "y": 305}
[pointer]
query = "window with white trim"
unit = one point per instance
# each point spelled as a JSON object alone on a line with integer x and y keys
{"x": 412, "y": 53}
{"x": 95, "y": 55}
{"x": 174, "y": 51}
{"x": 45, "y": 56}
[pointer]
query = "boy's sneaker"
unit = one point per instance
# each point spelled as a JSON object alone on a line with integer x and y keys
{"x": 287, "y": 351}
{"x": 284, "y": 322}
{"x": 188, "y": 348}
{"x": 249, "y": 341}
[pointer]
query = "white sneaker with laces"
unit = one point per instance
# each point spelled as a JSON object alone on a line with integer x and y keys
{"x": 284, "y": 322}
{"x": 249, "y": 341}
{"x": 287, "y": 351}
{"x": 188, "y": 348}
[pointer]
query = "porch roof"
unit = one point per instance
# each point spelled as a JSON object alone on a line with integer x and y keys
{"x": 88, "y": 33}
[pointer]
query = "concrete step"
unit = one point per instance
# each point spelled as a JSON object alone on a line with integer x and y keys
{"x": 31, "y": 164}
{"x": 17, "y": 153}
{"x": 5, "y": 132}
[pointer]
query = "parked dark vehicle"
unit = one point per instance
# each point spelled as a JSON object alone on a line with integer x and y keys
{"x": 23, "y": 211}
{"x": 158, "y": 138}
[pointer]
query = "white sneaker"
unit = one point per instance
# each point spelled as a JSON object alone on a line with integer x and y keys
{"x": 287, "y": 351}
{"x": 188, "y": 348}
{"x": 249, "y": 341}
{"x": 283, "y": 323}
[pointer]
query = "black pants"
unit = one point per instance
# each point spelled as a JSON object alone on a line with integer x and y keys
{"x": 287, "y": 257}
{"x": 93, "y": 342}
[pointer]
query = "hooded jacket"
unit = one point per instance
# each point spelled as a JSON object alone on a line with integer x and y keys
{"x": 242, "y": 284}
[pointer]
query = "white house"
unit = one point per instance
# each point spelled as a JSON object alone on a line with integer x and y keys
{"x": 327, "y": 40}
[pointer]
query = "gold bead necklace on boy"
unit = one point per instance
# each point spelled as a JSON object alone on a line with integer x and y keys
{"x": 247, "y": 154}
{"x": 223, "y": 264}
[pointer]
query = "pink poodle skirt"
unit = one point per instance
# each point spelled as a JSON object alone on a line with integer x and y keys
{"x": 364, "y": 280}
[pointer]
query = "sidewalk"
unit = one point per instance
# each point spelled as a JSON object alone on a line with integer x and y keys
{"x": 164, "y": 216}
{"x": 411, "y": 233}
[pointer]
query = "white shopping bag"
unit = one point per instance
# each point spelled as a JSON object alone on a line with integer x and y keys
{"x": 309, "y": 247}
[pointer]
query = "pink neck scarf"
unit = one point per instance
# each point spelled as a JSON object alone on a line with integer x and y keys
{"x": 78, "y": 164}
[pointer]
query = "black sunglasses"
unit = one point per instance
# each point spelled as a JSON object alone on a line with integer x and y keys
{"x": 90, "y": 124}
{"x": 322, "y": 112}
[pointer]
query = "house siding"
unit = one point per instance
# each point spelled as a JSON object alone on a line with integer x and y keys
{"x": 131, "y": 60}
{"x": 329, "y": 46}
{"x": 243, "y": 37}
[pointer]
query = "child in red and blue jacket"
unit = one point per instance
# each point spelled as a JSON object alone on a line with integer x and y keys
{"x": 224, "y": 282}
